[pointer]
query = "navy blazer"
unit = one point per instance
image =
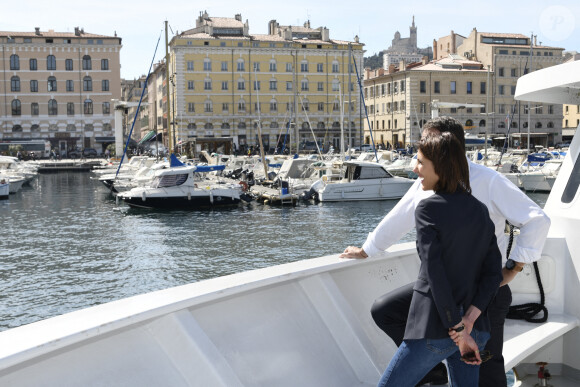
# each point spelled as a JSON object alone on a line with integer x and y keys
{"x": 460, "y": 264}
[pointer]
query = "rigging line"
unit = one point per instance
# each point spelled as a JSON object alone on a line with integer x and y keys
{"x": 310, "y": 125}
{"x": 138, "y": 108}
{"x": 366, "y": 113}
{"x": 507, "y": 136}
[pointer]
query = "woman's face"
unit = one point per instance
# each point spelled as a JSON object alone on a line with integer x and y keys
{"x": 426, "y": 172}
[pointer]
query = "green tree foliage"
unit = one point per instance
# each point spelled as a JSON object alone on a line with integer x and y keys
{"x": 375, "y": 61}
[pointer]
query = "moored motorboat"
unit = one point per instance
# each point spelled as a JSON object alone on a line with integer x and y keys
{"x": 4, "y": 189}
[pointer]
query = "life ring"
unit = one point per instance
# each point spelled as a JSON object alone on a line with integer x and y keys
{"x": 244, "y": 185}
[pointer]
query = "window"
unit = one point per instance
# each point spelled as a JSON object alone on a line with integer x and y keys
{"x": 305, "y": 105}
{"x": 320, "y": 67}
{"x": 402, "y": 86}
{"x": 482, "y": 88}
{"x": 453, "y": 87}
{"x": 51, "y": 86}
{"x": 15, "y": 83}
{"x": 224, "y": 66}
{"x": 105, "y": 85}
{"x": 482, "y": 109}
{"x": 16, "y": 107}
{"x": 241, "y": 85}
{"x": 289, "y": 67}
{"x": 190, "y": 107}
{"x": 70, "y": 109}
{"x": 190, "y": 85}
{"x": 501, "y": 89}
{"x": 320, "y": 86}
{"x": 513, "y": 90}
{"x": 500, "y": 72}
{"x": 34, "y": 109}
{"x": 52, "y": 107}
{"x": 422, "y": 86}
{"x": 256, "y": 66}
{"x": 68, "y": 64}
{"x": 336, "y": 106}
{"x": 501, "y": 108}
{"x": 33, "y": 64}
{"x": 304, "y": 85}
{"x": 288, "y": 85}
{"x": 514, "y": 72}
{"x": 469, "y": 87}
{"x": 256, "y": 85}
{"x": 17, "y": 128}
{"x": 50, "y": 62}
{"x": 87, "y": 63}
{"x": 207, "y": 84}
{"x": 207, "y": 64}
{"x": 224, "y": 85}
{"x": 257, "y": 108}
{"x": 304, "y": 67}
{"x": 88, "y": 107}
{"x": 437, "y": 87}
{"x": 551, "y": 109}
{"x": 70, "y": 85}
{"x": 190, "y": 65}
{"x": 208, "y": 106}
{"x": 104, "y": 64}
{"x": 87, "y": 84}
{"x": 242, "y": 106}
{"x": 241, "y": 65}
{"x": 273, "y": 85}
{"x": 423, "y": 108}
{"x": 273, "y": 106}
{"x": 14, "y": 62}
{"x": 335, "y": 67}
{"x": 273, "y": 67}
{"x": 320, "y": 106}
{"x": 106, "y": 108}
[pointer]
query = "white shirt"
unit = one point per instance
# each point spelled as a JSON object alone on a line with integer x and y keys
{"x": 503, "y": 200}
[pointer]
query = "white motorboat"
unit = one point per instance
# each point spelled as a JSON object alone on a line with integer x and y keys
{"x": 305, "y": 323}
{"x": 181, "y": 188}
{"x": 362, "y": 181}
{"x": 541, "y": 180}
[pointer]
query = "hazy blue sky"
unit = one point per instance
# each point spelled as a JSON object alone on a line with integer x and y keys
{"x": 140, "y": 23}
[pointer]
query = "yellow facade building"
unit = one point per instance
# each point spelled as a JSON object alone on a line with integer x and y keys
{"x": 230, "y": 83}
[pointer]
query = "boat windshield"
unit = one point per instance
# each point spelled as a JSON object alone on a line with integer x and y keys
{"x": 169, "y": 180}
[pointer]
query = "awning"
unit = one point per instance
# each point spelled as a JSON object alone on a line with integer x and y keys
{"x": 147, "y": 137}
{"x": 105, "y": 139}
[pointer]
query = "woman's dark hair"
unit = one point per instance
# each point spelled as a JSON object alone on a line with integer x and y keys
{"x": 444, "y": 124}
{"x": 449, "y": 161}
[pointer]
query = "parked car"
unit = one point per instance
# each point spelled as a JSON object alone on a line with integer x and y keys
{"x": 85, "y": 153}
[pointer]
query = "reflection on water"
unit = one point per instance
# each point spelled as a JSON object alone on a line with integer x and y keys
{"x": 66, "y": 245}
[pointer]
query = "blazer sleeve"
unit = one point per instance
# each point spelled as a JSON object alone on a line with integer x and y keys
{"x": 430, "y": 250}
{"x": 491, "y": 274}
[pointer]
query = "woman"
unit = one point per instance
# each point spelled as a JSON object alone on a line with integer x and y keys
{"x": 459, "y": 274}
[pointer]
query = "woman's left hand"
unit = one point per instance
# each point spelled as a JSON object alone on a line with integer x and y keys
{"x": 469, "y": 350}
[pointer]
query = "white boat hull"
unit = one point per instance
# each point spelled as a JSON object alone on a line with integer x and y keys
{"x": 537, "y": 182}
{"x": 381, "y": 189}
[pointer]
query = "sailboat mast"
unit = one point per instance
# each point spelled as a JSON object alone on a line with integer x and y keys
{"x": 169, "y": 134}
{"x": 262, "y": 154}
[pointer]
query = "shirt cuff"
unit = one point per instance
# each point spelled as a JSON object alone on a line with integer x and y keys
{"x": 523, "y": 255}
{"x": 369, "y": 248}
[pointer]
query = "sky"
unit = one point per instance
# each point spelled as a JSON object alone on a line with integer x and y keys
{"x": 140, "y": 24}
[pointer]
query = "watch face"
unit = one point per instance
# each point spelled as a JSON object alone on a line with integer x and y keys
{"x": 510, "y": 264}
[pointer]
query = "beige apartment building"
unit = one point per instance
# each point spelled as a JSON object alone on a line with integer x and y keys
{"x": 510, "y": 56}
{"x": 58, "y": 86}
{"x": 286, "y": 84}
{"x": 399, "y": 101}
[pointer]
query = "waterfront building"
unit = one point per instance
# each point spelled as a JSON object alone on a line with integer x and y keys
{"x": 571, "y": 119}
{"x": 131, "y": 91}
{"x": 399, "y": 100}
{"x": 58, "y": 86}
{"x": 292, "y": 79}
{"x": 510, "y": 56}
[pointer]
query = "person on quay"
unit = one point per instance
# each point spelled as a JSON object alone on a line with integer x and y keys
{"x": 460, "y": 271}
{"x": 504, "y": 202}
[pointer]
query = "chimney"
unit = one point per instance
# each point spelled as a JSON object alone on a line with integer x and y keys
{"x": 434, "y": 50}
{"x": 37, "y": 30}
{"x": 238, "y": 17}
{"x": 272, "y": 27}
{"x": 402, "y": 66}
{"x": 453, "y": 43}
{"x": 391, "y": 68}
{"x": 425, "y": 59}
{"x": 77, "y": 31}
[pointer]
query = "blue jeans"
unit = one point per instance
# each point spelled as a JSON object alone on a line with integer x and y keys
{"x": 415, "y": 358}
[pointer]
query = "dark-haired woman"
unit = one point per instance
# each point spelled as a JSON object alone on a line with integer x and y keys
{"x": 460, "y": 272}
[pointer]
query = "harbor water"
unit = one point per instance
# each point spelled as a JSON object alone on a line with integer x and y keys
{"x": 66, "y": 244}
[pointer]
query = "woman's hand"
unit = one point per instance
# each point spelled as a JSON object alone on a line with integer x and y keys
{"x": 353, "y": 252}
{"x": 468, "y": 346}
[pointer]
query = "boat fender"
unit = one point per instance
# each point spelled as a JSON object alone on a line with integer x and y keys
{"x": 143, "y": 196}
{"x": 116, "y": 200}
{"x": 211, "y": 197}
{"x": 188, "y": 195}
{"x": 244, "y": 185}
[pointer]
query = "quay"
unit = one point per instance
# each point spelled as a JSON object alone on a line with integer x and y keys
{"x": 51, "y": 166}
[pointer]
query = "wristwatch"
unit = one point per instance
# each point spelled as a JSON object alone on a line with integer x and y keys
{"x": 511, "y": 265}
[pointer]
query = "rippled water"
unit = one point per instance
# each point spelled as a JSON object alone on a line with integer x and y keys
{"x": 66, "y": 245}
